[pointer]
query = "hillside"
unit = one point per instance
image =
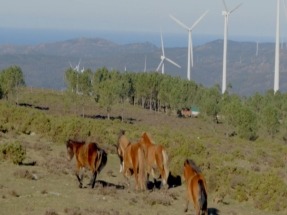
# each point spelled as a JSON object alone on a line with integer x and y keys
{"x": 243, "y": 177}
{"x": 44, "y": 64}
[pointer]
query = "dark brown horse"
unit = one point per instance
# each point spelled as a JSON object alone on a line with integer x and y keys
{"x": 88, "y": 155}
{"x": 156, "y": 158}
{"x": 123, "y": 142}
{"x": 196, "y": 187}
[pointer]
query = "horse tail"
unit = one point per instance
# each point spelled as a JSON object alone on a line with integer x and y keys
{"x": 203, "y": 196}
{"x": 101, "y": 161}
{"x": 165, "y": 164}
{"x": 142, "y": 168}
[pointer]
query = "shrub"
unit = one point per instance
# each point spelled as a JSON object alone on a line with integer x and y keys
{"x": 13, "y": 152}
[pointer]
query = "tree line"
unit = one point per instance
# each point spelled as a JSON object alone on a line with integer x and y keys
{"x": 248, "y": 117}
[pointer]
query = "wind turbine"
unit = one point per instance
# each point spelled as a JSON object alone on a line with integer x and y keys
{"x": 163, "y": 58}
{"x": 190, "y": 46}
{"x": 257, "y": 48}
{"x": 145, "y": 64}
{"x": 277, "y": 49}
{"x": 77, "y": 67}
{"x": 226, "y": 14}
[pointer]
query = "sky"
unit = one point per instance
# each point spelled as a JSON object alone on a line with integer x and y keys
{"x": 255, "y": 18}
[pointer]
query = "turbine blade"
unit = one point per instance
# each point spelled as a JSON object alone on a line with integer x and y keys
{"x": 161, "y": 62}
{"x": 199, "y": 19}
{"x": 235, "y": 8}
{"x": 285, "y": 8}
{"x": 162, "y": 47}
{"x": 191, "y": 52}
{"x": 225, "y": 6}
{"x": 179, "y": 22}
{"x": 172, "y": 62}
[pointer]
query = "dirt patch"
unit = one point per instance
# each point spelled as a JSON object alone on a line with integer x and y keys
{"x": 51, "y": 188}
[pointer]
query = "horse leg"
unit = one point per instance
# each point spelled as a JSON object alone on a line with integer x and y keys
{"x": 136, "y": 178}
{"x": 80, "y": 179}
{"x": 121, "y": 165}
{"x": 125, "y": 175}
{"x": 195, "y": 199}
{"x": 93, "y": 179}
{"x": 186, "y": 205}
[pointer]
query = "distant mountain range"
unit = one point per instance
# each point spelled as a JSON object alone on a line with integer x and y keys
{"x": 44, "y": 64}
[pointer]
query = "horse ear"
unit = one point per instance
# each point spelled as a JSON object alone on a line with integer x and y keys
{"x": 144, "y": 135}
{"x": 67, "y": 142}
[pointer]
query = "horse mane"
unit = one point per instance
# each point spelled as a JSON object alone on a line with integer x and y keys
{"x": 192, "y": 164}
{"x": 72, "y": 142}
{"x": 146, "y": 138}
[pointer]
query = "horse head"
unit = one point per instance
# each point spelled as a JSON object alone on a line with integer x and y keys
{"x": 70, "y": 150}
{"x": 145, "y": 139}
{"x": 190, "y": 169}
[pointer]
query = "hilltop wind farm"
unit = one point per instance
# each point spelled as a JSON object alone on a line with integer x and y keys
{"x": 143, "y": 107}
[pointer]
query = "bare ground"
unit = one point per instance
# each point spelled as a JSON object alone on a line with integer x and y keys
{"x": 50, "y": 187}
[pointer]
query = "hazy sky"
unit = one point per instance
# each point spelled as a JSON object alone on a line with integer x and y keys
{"x": 253, "y": 18}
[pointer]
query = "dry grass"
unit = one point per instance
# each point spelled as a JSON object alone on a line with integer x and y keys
{"x": 225, "y": 161}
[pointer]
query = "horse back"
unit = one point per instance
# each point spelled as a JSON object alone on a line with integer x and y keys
{"x": 130, "y": 155}
{"x": 155, "y": 154}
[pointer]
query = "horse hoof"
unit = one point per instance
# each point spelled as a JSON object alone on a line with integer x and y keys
{"x": 80, "y": 186}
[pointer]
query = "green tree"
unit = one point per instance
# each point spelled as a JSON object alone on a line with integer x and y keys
{"x": 10, "y": 80}
{"x": 85, "y": 82}
{"x": 71, "y": 78}
{"x": 270, "y": 119}
{"x": 240, "y": 117}
{"x": 109, "y": 90}
{"x": 209, "y": 101}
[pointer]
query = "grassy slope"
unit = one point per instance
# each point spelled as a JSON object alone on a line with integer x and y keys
{"x": 237, "y": 171}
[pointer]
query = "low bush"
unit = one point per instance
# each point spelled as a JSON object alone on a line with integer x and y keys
{"x": 13, "y": 152}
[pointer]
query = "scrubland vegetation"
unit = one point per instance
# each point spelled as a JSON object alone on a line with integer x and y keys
{"x": 239, "y": 143}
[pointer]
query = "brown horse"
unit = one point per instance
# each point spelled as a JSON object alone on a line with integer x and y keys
{"x": 156, "y": 158}
{"x": 134, "y": 163}
{"x": 123, "y": 142}
{"x": 132, "y": 160}
{"x": 88, "y": 155}
{"x": 196, "y": 187}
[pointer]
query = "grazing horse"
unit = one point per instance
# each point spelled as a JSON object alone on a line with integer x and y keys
{"x": 123, "y": 142}
{"x": 156, "y": 158}
{"x": 88, "y": 155}
{"x": 196, "y": 187}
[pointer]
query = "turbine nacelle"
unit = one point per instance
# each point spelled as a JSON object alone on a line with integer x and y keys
{"x": 225, "y": 13}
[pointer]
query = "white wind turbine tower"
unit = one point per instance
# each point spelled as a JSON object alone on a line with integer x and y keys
{"x": 277, "y": 49}
{"x": 145, "y": 64}
{"x": 226, "y": 14}
{"x": 190, "y": 46}
{"x": 163, "y": 58}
